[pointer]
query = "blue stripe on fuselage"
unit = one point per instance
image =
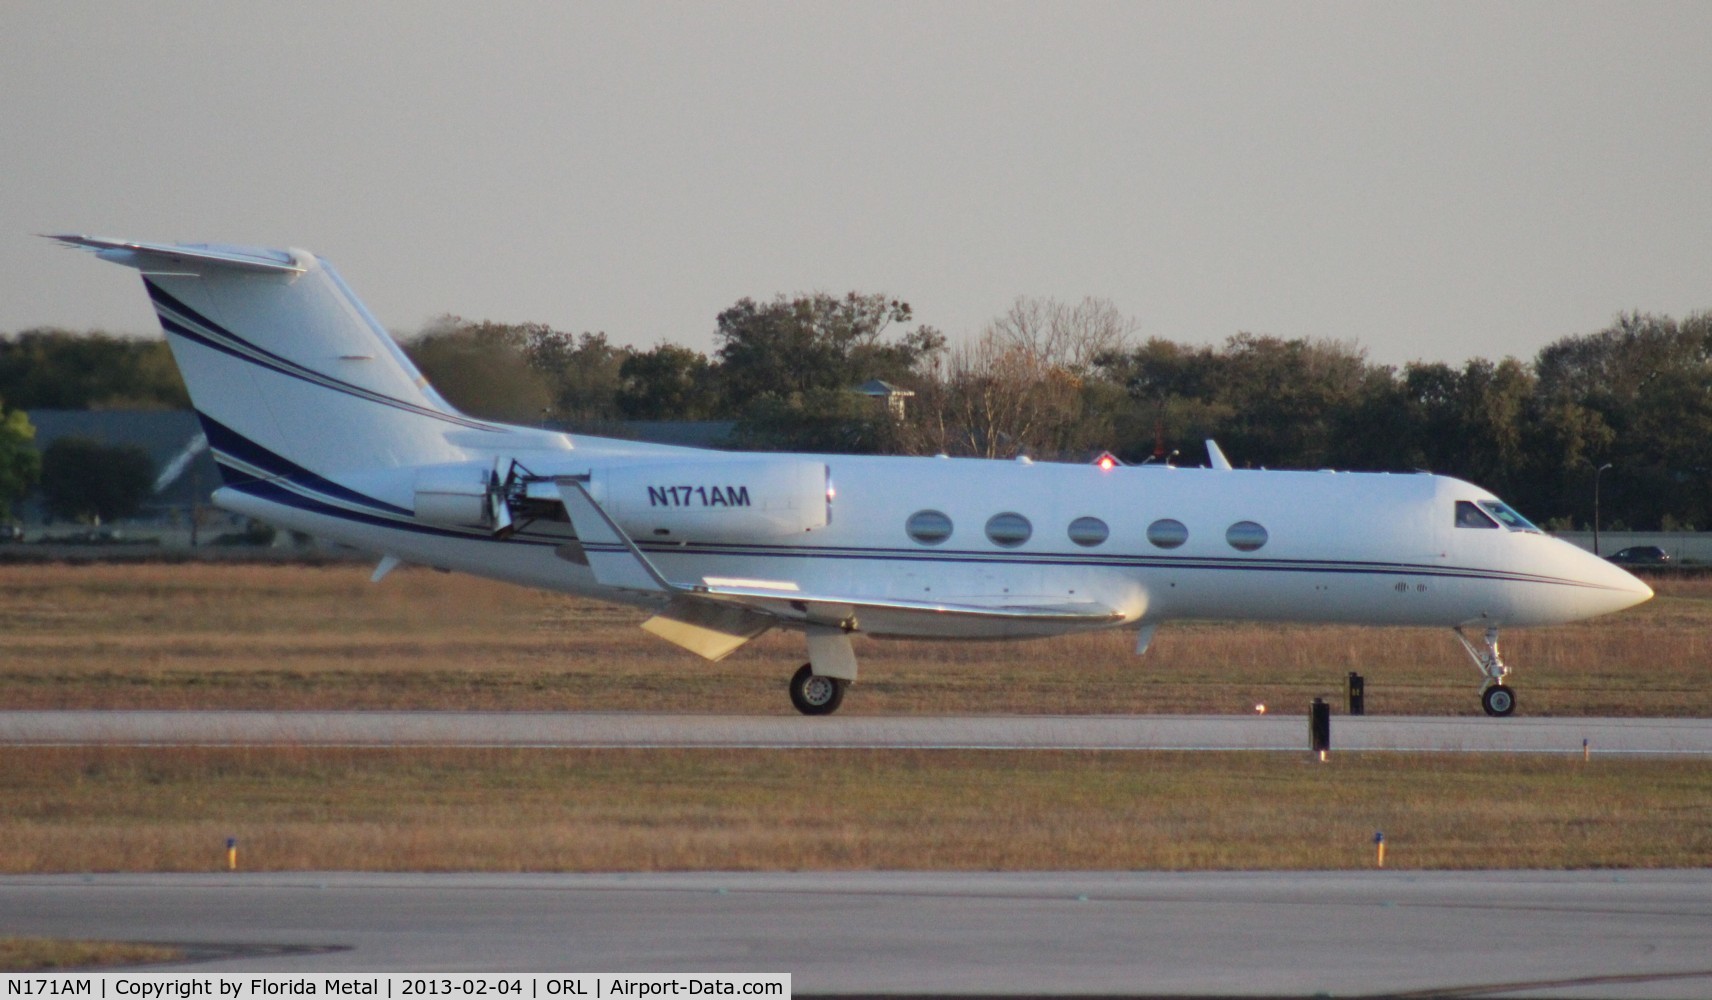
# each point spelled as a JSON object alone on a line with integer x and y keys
{"x": 223, "y": 439}
{"x": 276, "y": 493}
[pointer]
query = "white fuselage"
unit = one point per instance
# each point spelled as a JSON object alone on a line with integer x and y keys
{"x": 1338, "y": 547}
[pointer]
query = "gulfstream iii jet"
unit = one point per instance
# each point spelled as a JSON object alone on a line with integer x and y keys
{"x": 320, "y": 424}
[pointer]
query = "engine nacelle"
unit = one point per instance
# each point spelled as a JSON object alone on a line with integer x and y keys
{"x": 730, "y": 499}
{"x": 455, "y": 495}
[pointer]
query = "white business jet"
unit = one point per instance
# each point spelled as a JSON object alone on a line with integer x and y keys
{"x": 320, "y": 424}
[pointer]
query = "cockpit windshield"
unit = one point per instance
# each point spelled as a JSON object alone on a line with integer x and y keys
{"x": 1508, "y": 517}
{"x": 1469, "y": 516}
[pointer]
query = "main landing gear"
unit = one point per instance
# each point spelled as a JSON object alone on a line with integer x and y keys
{"x": 1496, "y": 697}
{"x": 817, "y": 688}
{"x": 816, "y": 694}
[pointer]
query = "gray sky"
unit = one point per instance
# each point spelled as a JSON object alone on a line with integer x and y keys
{"x": 1435, "y": 181}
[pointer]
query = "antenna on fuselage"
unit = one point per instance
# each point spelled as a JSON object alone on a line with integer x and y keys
{"x": 1217, "y": 456}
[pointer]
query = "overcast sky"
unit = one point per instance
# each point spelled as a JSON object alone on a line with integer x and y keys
{"x": 1434, "y": 181}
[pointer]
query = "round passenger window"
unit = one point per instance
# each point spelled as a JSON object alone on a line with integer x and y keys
{"x": 1088, "y": 531}
{"x": 1246, "y": 536}
{"x": 1167, "y": 533}
{"x": 929, "y": 527}
{"x": 1008, "y": 529}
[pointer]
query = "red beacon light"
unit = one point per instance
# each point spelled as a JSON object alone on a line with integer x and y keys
{"x": 1107, "y": 461}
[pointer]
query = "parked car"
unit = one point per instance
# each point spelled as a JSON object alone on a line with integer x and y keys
{"x": 1641, "y": 555}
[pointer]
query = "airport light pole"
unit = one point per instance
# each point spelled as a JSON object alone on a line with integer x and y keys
{"x": 1596, "y": 474}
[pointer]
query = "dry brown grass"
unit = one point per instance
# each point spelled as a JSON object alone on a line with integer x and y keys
{"x": 282, "y": 636}
{"x": 44, "y": 954}
{"x": 74, "y": 810}
{"x": 297, "y": 637}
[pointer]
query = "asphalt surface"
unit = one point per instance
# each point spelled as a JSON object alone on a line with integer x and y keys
{"x": 625, "y": 729}
{"x": 1485, "y": 934}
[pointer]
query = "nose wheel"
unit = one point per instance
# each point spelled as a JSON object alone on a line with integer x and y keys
{"x": 1497, "y": 698}
{"x": 816, "y": 694}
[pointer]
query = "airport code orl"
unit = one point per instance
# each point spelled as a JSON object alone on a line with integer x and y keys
{"x": 698, "y": 496}
{"x": 232, "y": 986}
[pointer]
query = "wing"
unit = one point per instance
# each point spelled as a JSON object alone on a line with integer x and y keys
{"x": 752, "y": 606}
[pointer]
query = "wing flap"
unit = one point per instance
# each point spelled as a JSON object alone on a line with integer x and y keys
{"x": 709, "y": 630}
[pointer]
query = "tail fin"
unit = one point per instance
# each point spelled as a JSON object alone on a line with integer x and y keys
{"x": 284, "y": 364}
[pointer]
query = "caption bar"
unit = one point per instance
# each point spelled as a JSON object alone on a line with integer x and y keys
{"x": 396, "y": 986}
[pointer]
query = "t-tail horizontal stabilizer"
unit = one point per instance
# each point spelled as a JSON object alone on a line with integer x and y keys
{"x": 156, "y": 259}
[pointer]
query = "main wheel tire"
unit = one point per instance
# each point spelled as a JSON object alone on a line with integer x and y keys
{"x": 815, "y": 694}
{"x": 1498, "y": 700}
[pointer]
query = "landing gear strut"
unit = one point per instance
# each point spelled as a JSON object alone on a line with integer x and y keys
{"x": 816, "y": 694}
{"x": 1497, "y": 698}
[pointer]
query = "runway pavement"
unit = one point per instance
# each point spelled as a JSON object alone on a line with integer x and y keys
{"x": 1485, "y": 934}
{"x": 1034, "y": 732}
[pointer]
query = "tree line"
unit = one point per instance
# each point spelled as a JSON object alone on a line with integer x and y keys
{"x": 51, "y": 369}
{"x": 1059, "y": 380}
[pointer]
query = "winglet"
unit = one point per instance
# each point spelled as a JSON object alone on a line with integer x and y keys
{"x": 614, "y": 558}
{"x": 1216, "y": 455}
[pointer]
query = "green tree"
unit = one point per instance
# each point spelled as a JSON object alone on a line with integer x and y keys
{"x": 1637, "y": 394}
{"x": 523, "y": 373}
{"x": 1284, "y": 397}
{"x": 483, "y": 369}
{"x": 583, "y": 373}
{"x": 668, "y": 382}
{"x": 90, "y": 482}
{"x": 53, "y": 369}
{"x": 1269, "y": 402}
{"x": 1494, "y": 402}
{"x": 817, "y": 342}
{"x": 20, "y": 463}
{"x": 785, "y": 368}
{"x": 819, "y": 420}
{"x": 1171, "y": 400}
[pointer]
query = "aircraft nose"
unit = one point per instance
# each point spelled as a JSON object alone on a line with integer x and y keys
{"x": 1637, "y": 587}
{"x": 1617, "y": 588}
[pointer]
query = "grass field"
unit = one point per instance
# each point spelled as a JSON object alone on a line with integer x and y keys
{"x": 206, "y": 636}
{"x": 73, "y": 810}
{"x": 284, "y": 636}
{"x": 49, "y": 955}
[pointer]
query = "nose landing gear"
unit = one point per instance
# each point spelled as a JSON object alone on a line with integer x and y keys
{"x": 1497, "y": 698}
